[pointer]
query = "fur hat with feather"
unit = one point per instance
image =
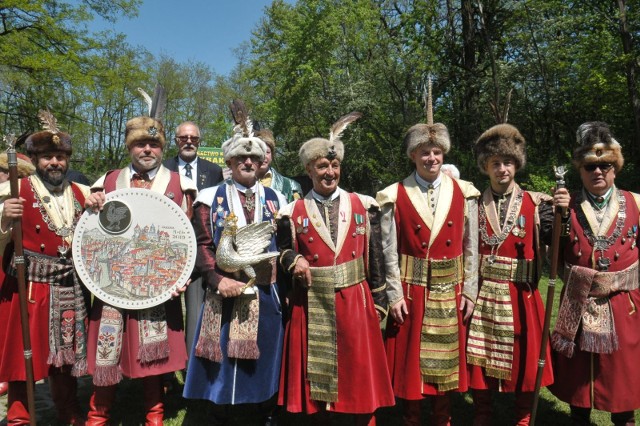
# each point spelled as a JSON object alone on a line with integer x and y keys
{"x": 328, "y": 148}
{"x": 50, "y": 139}
{"x": 597, "y": 145}
{"x": 427, "y": 134}
{"x": 243, "y": 142}
{"x": 148, "y": 128}
{"x": 501, "y": 139}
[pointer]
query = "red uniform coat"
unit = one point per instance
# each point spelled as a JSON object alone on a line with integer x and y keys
{"x": 403, "y": 341}
{"x": 129, "y": 364}
{"x": 606, "y": 382}
{"x": 363, "y": 379}
{"x": 36, "y": 237}
{"x": 528, "y": 310}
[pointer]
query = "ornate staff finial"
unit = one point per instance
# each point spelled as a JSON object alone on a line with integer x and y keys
{"x": 10, "y": 140}
{"x": 560, "y": 171}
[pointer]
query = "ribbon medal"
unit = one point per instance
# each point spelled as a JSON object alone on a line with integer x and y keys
{"x": 359, "y": 219}
{"x": 521, "y": 224}
{"x": 299, "y": 227}
{"x": 305, "y": 225}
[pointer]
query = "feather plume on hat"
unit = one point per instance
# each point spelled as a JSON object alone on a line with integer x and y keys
{"x": 243, "y": 142}
{"x": 328, "y": 148}
{"x": 596, "y": 144}
{"x": 430, "y": 133}
{"x": 50, "y": 139}
{"x": 150, "y": 127}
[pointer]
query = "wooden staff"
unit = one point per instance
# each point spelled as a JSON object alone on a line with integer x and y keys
{"x": 553, "y": 273}
{"x": 12, "y": 160}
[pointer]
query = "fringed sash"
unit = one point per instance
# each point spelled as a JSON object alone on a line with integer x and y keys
{"x": 586, "y": 302}
{"x": 243, "y": 329}
{"x": 67, "y": 310}
{"x": 154, "y": 343}
{"x": 439, "y": 338}
{"x": 491, "y": 332}
{"x": 322, "y": 355}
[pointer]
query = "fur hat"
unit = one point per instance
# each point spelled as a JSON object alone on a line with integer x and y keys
{"x": 501, "y": 139}
{"x": 240, "y": 145}
{"x": 144, "y": 129}
{"x": 330, "y": 148}
{"x": 50, "y": 139}
{"x": 427, "y": 134}
{"x": 266, "y": 136}
{"x": 25, "y": 166}
{"x": 597, "y": 145}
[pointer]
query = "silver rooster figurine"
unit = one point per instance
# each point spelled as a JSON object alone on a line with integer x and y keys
{"x": 241, "y": 249}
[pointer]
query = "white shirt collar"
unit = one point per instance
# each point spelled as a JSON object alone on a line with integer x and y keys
{"x": 425, "y": 184}
{"x": 243, "y": 188}
{"x": 151, "y": 173}
{"x": 182, "y": 163}
{"x": 331, "y": 197}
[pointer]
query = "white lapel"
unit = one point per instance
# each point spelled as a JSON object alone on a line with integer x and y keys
{"x": 124, "y": 178}
{"x": 317, "y": 221}
{"x": 611, "y": 214}
{"x": 344, "y": 220}
{"x": 161, "y": 181}
{"x": 418, "y": 199}
{"x": 445, "y": 195}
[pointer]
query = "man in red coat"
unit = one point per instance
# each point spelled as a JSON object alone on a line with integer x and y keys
{"x": 145, "y": 142}
{"x": 49, "y": 207}
{"x": 596, "y": 344}
{"x": 430, "y": 235}
{"x": 506, "y": 327}
{"x": 333, "y": 359}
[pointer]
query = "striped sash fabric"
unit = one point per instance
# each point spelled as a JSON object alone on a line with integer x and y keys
{"x": 322, "y": 361}
{"x": 439, "y": 345}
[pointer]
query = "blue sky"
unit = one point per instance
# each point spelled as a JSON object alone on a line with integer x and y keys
{"x": 199, "y": 30}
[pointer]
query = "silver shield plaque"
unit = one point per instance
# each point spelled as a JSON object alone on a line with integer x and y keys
{"x": 136, "y": 251}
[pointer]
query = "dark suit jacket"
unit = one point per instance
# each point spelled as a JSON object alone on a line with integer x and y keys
{"x": 209, "y": 174}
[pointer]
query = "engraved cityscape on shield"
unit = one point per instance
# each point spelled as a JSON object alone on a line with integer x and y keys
{"x": 137, "y": 265}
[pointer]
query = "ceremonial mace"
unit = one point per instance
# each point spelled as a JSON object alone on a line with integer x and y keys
{"x": 12, "y": 160}
{"x": 553, "y": 273}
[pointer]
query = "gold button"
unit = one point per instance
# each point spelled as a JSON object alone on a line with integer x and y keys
{"x": 310, "y": 239}
{"x": 450, "y": 223}
{"x": 353, "y": 235}
{"x": 424, "y": 244}
{"x": 448, "y": 242}
{"x": 41, "y": 246}
{"x": 419, "y": 227}
{"x": 353, "y": 253}
{"x": 315, "y": 257}
{"x": 37, "y": 227}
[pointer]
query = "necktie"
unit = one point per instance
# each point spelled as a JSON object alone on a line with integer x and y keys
{"x": 187, "y": 171}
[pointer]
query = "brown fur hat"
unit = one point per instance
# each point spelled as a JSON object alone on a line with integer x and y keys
{"x": 25, "y": 166}
{"x": 266, "y": 136}
{"x": 501, "y": 139}
{"x": 597, "y": 145}
{"x": 427, "y": 134}
{"x": 143, "y": 129}
{"x": 47, "y": 141}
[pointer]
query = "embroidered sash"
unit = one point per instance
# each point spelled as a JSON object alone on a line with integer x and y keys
{"x": 322, "y": 356}
{"x": 67, "y": 310}
{"x": 586, "y": 302}
{"x": 439, "y": 346}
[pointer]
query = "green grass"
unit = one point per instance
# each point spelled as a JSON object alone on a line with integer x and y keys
{"x": 127, "y": 410}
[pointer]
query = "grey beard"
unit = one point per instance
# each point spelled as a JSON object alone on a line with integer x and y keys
{"x": 46, "y": 177}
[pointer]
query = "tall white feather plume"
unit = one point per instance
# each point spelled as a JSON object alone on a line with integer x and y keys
{"x": 147, "y": 99}
{"x": 342, "y": 123}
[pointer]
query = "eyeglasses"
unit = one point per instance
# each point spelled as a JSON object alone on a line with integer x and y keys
{"x": 604, "y": 167}
{"x": 194, "y": 139}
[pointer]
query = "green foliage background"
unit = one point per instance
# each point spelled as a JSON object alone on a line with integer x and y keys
{"x": 308, "y": 63}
